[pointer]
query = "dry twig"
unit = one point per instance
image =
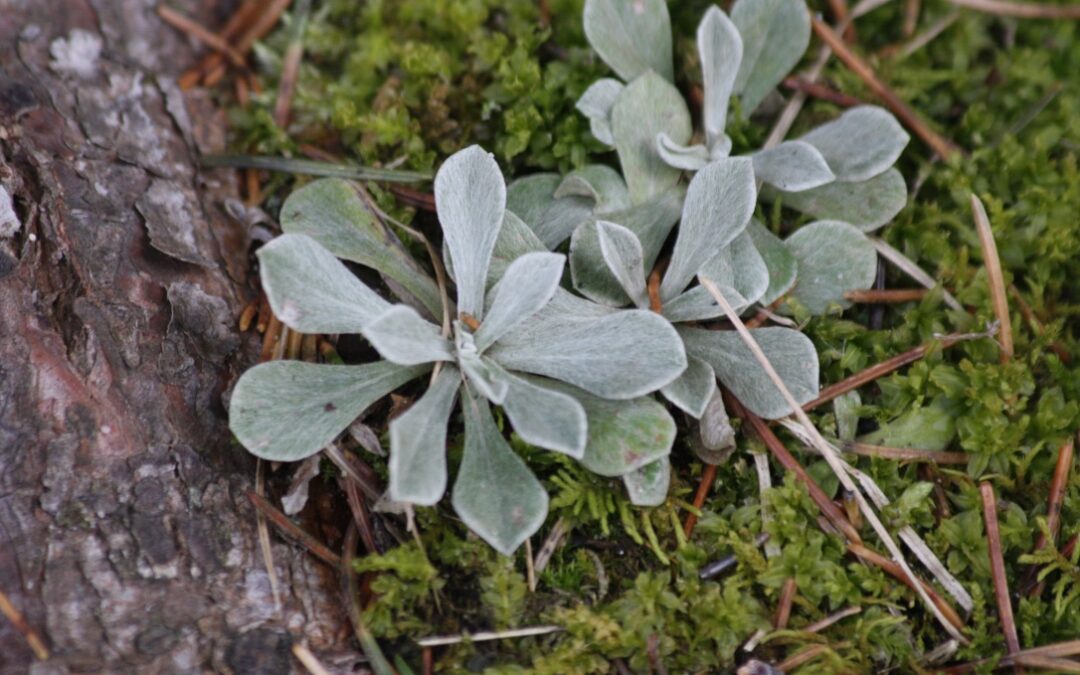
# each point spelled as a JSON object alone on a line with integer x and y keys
{"x": 708, "y": 475}
{"x": 997, "y": 568}
{"x": 292, "y": 531}
{"x": 1021, "y": 10}
{"x": 33, "y": 640}
{"x": 890, "y": 296}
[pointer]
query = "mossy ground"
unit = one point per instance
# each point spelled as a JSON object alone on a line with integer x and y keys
{"x": 414, "y": 80}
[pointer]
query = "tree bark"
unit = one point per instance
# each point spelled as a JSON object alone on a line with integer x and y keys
{"x": 126, "y": 539}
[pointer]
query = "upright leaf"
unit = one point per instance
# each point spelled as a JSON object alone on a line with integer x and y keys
{"x": 718, "y": 206}
{"x": 860, "y": 144}
{"x": 331, "y": 212}
{"x": 833, "y": 258}
{"x": 867, "y": 205}
{"x": 793, "y": 166}
{"x": 720, "y": 47}
{"x": 622, "y": 253}
{"x": 778, "y": 260}
{"x": 401, "y": 336}
{"x": 470, "y": 196}
{"x": 546, "y": 418}
{"x": 791, "y": 353}
{"x": 495, "y": 493}
{"x": 596, "y": 104}
{"x": 631, "y": 37}
{"x": 311, "y": 291}
{"x": 286, "y": 411}
{"x": 775, "y": 35}
{"x": 648, "y": 486}
{"x": 527, "y": 285}
{"x": 647, "y": 107}
{"x": 418, "y": 443}
{"x": 620, "y": 355}
{"x": 693, "y": 389}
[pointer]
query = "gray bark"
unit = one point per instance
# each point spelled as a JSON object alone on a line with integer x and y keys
{"x": 126, "y": 539}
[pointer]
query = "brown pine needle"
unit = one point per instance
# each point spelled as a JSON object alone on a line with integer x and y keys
{"x": 264, "y": 536}
{"x": 708, "y": 475}
{"x": 1054, "y": 500}
{"x": 292, "y": 531}
{"x": 787, "y": 597}
{"x": 33, "y": 640}
{"x": 1021, "y": 10}
{"x": 909, "y": 117}
{"x": 1058, "y": 650}
{"x": 821, "y": 92}
{"x": 809, "y": 654}
{"x": 912, "y": 8}
{"x": 414, "y": 198}
{"x": 290, "y": 65}
{"x": 819, "y": 626}
{"x": 233, "y": 27}
{"x": 895, "y": 295}
{"x": 247, "y": 316}
{"x": 653, "y": 288}
{"x": 200, "y": 33}
{"x": 995, "y": 277}
{"x": 997, "y": 568}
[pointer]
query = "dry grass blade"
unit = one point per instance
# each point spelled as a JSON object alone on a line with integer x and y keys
{"x": 830, "y": 455}
{"x": 787, "y": 597}
{"x": 292, "y": 531}
{"x": 264, "y": 536}
{"x": 909, "y": 117}
{"x": 485, "y": 636}
{"x": 33, "y": 640}
{"x": 368, "y": 643}
{"x": 908, "y": 267}
{"x": 996, "y": 278}
{"x": 554, "y": 540}
{"x": 290, "y": 65}
{"x": 819, "y": 626}
{"x": 889, "y": 296}
{"x": 997, "y": 568}
{"x": 1048, "y": 663}
{"x": 809, "y": 654}
{"x": 914, "y": 583}
{"x": 1054, "y": 501}
{"x": 305, "y": 657}
{"x": 1021, "y": 10}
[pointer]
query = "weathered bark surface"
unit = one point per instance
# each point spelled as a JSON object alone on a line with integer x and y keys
{"x": 125, "y": 536}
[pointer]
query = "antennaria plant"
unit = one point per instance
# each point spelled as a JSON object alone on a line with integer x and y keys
{"x": 569, "y": 375}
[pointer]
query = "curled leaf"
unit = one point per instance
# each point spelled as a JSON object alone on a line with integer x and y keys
{"x": 775, "y": 35}
{"x": 596, "y": 104}
{"x": 598, "y": 182}
{"x": 793, "y": 166}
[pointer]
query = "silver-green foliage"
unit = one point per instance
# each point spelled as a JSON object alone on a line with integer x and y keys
{"x": 570, "y": 376}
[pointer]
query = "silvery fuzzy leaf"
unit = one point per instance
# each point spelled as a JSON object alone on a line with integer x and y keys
{"x": 622, "y": 435}
{"x": 418, "y": 443}
{"x": 833, "y": 258}
{"x": 740, "y": 266}
{"x": 402, "y": 336}
{"x": 860, "y": 144}
{"x": 648, "y": 486}
{"x": 692, "y": 390}
{"x": 470, "y": 197}
{"x": 631, "y": 37}
{"x": 648, "y": 106}
{"x": 867, "y": 205}
{"x": 622, "y": 254}
{"x": 527, "y": 285}
{"x": 790, "y": 352}
{"x": 311, "y": 291}
{"x": 619, "y": 355}
{"x": 495, "y": 494}
{"x": 650, "y": 222}
{"x": 697, "y": 304}
{"x": 793, "y": 166}
{"x": 716, "y": 431}
{"x": 720, "y": 148}
{"x": 285, "y": 411}
{"x": 486, "y": 376}
{"x": 778, "y": 260}
{"x": 533, "y": 199}
{"x": 546, "y": 418}
{"x": 598, "y": 182}
{"x": 686, "y": 158}
{"x": 775, "y": 35}
{"x": 720, "y": 47}
{"x": 515, "y": 240}
{"x": 331, "y": 212}
{"x": 719, "y": 203}
{"x": 596, "y": 104}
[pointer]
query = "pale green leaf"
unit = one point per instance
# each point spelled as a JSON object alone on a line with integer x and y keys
{"x": 693, "y": 389}
{"x": 418, "y": 443}
{"x": 622, "y": 254}
{"x": 484, "y": 375}
{"x": 631, "y": 36}
{"x": 833, "y": 258}
{"x": 720, "y": 48}
{"x": 647, "y": 107}
{"x": 600, "y": 183}
{"x": 867, "y": 205}
{"x": 791, "y": 353}
{"x": 793, "y": 166}
{"x": 286, "y": 411}
{"x": 402, "y": 336}
{"x": 311, "y": 291}
{"x": 860, "y": 144}
{"x": 716, "y": 431}
{"x": 930, "y": 427}
{"x": 775, "y": 35}
{"x": 596, "y": 104}
{"x": 546, "y": 418}
{"x": 718, "y": 206}
{"x": 332, "y": 212}
{"x": 527, "y": 285}
{"x": 739, "y": 266}
{"x": 648, "y": 486}
{"x": 697, "y": 304}
{"x": 778, "y": 260}
{"x": 552, "y": 219}
{"x": 495, "y": 494}
{"x": 470, "y": 196}
{"x": 846, "y": 409}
